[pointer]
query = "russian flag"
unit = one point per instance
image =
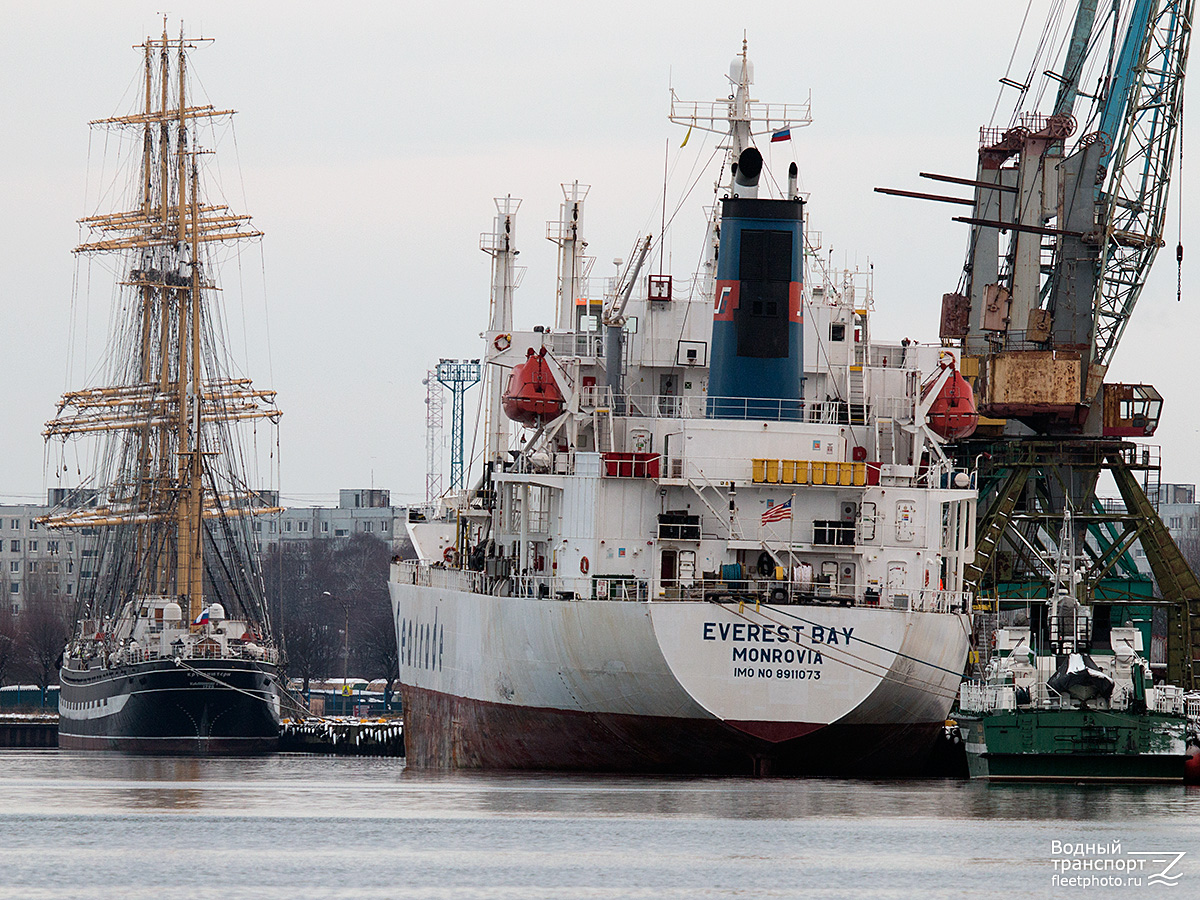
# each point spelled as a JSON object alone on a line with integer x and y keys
{"x": 202, "y": 619}
{"x": 782, "y": 135}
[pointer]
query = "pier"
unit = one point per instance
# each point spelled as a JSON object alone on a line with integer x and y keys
{"x": 349, "y": 737}
{"x": 28, "y": 730}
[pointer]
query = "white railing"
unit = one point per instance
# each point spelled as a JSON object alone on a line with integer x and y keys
{"x": 1168, "y": 698}
{"x": 1191, "y": 706}
{"x": 617, "y": 587}
{"x": 199, "y": 650}
{"x": 1043, "y": 696}
{"x": 587, "y": 344}
{"x": 692, "y": 406}
{"x": 976, "y": 697}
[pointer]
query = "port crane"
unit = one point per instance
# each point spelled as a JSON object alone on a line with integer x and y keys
{"x": 1067, "y": 217}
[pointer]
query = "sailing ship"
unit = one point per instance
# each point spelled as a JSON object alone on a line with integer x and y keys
{"x": 172, "y": 650}
{"x": 1064, "y": 700}
{"x": 725, "y": 538}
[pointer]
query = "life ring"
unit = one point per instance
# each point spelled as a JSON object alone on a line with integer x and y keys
{"x": 502, "y": 342}
{"x": 448, "y": 556}
{"x": 583, "y": 565}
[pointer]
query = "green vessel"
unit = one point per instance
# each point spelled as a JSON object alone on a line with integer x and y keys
{"x": 1074, "y": 745}
{"x": 1061, "y": 702}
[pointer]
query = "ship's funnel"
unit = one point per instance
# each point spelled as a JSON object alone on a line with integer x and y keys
{"x": 793, "y": 177}
{"x": 746, "y": 172}
{"x": 757, "y": 344}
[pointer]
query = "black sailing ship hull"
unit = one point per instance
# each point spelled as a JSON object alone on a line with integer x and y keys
{"x": 209, "y": 707}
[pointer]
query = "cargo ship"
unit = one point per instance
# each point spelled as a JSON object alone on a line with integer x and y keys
{"x": 172, "y": 650}
{"x": 715, "y": 529}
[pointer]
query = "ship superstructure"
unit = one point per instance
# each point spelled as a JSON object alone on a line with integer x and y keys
{"x": 723, "y": 536}
{"x": 173, "y": 650}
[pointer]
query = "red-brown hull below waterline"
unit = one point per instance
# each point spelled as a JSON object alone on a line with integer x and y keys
{"x": 445, "y": 731}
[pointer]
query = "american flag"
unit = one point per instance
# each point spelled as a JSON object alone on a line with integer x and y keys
{"x": 777, "y": 513}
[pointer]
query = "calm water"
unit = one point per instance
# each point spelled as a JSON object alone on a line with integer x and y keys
{"x": 99, "y": 826}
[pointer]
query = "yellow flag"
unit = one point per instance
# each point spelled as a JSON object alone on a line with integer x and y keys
{"x": 685, "y": 138}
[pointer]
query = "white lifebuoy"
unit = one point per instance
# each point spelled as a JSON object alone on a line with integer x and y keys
{"x": 448, "y": 556}
{"x": 502, "y": 342}
{"x": 583, "y": 565}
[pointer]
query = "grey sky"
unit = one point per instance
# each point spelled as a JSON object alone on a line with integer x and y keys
{"x": 372, "y": 138}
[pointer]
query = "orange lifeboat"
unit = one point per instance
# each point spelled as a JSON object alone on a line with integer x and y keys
{"x": 953, "y": 414}
{"x": 532, "y": 395}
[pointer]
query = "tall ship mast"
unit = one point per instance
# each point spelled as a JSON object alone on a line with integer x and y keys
{"x": 173, "y": 649}
{"x": 715, "y": 529}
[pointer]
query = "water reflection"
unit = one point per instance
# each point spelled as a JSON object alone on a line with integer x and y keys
{"x": 316, "y": 785}
{"x": 364, "y": 828}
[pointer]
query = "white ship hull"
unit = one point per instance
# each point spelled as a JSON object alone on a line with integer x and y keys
{"x": 529, "y": 683}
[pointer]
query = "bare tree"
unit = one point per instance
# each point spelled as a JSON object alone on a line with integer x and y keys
{"x": 45, "y": 627}
{"x": 361, "y": 566}
{"x": 314, "y": 587}
{"x": 293, "y": 573}
{"x": 376, "y": 646}
{"x": 9, "y": 639}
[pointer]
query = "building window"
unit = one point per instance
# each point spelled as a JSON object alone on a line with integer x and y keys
{"x": 15, "y": 567}
{"x": 340, "y": 532}
{"x": 70, "y": 546}
{"x": 52, "y": 546}
{"x": 367, "y": 526}
{"x": 70, "y": 566}
{"x": 14, "y": 524}
{"x": 88, "y": 552}
{"x": 302, "y": 526}
{"x": 70, "y": 588}
{"x": 258, "y": 527}
{"x": 33, "y": 524}
{"x": 33, "y": 546}
{"x": 33, "y": 565}
{"x": 15, "y": 546}
{"x": 271, "y": 527}
{"x": 14, "y": 587}
{"x": 325, "y": 527}
{"x": 16, "y": 609}
{"x": 287, "y": 526}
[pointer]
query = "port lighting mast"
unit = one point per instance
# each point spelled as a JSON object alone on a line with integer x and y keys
{"x": 458, "y": 375}
{"x": 433, "y": 436}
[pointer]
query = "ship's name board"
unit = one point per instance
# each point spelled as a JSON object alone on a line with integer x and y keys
{"x": 748, "y": 632}
{"x": 743, "y": 633}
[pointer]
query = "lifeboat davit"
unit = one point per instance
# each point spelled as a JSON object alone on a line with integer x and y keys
{"x": 953, "y": 414}
{"x": 532, "y": 395}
